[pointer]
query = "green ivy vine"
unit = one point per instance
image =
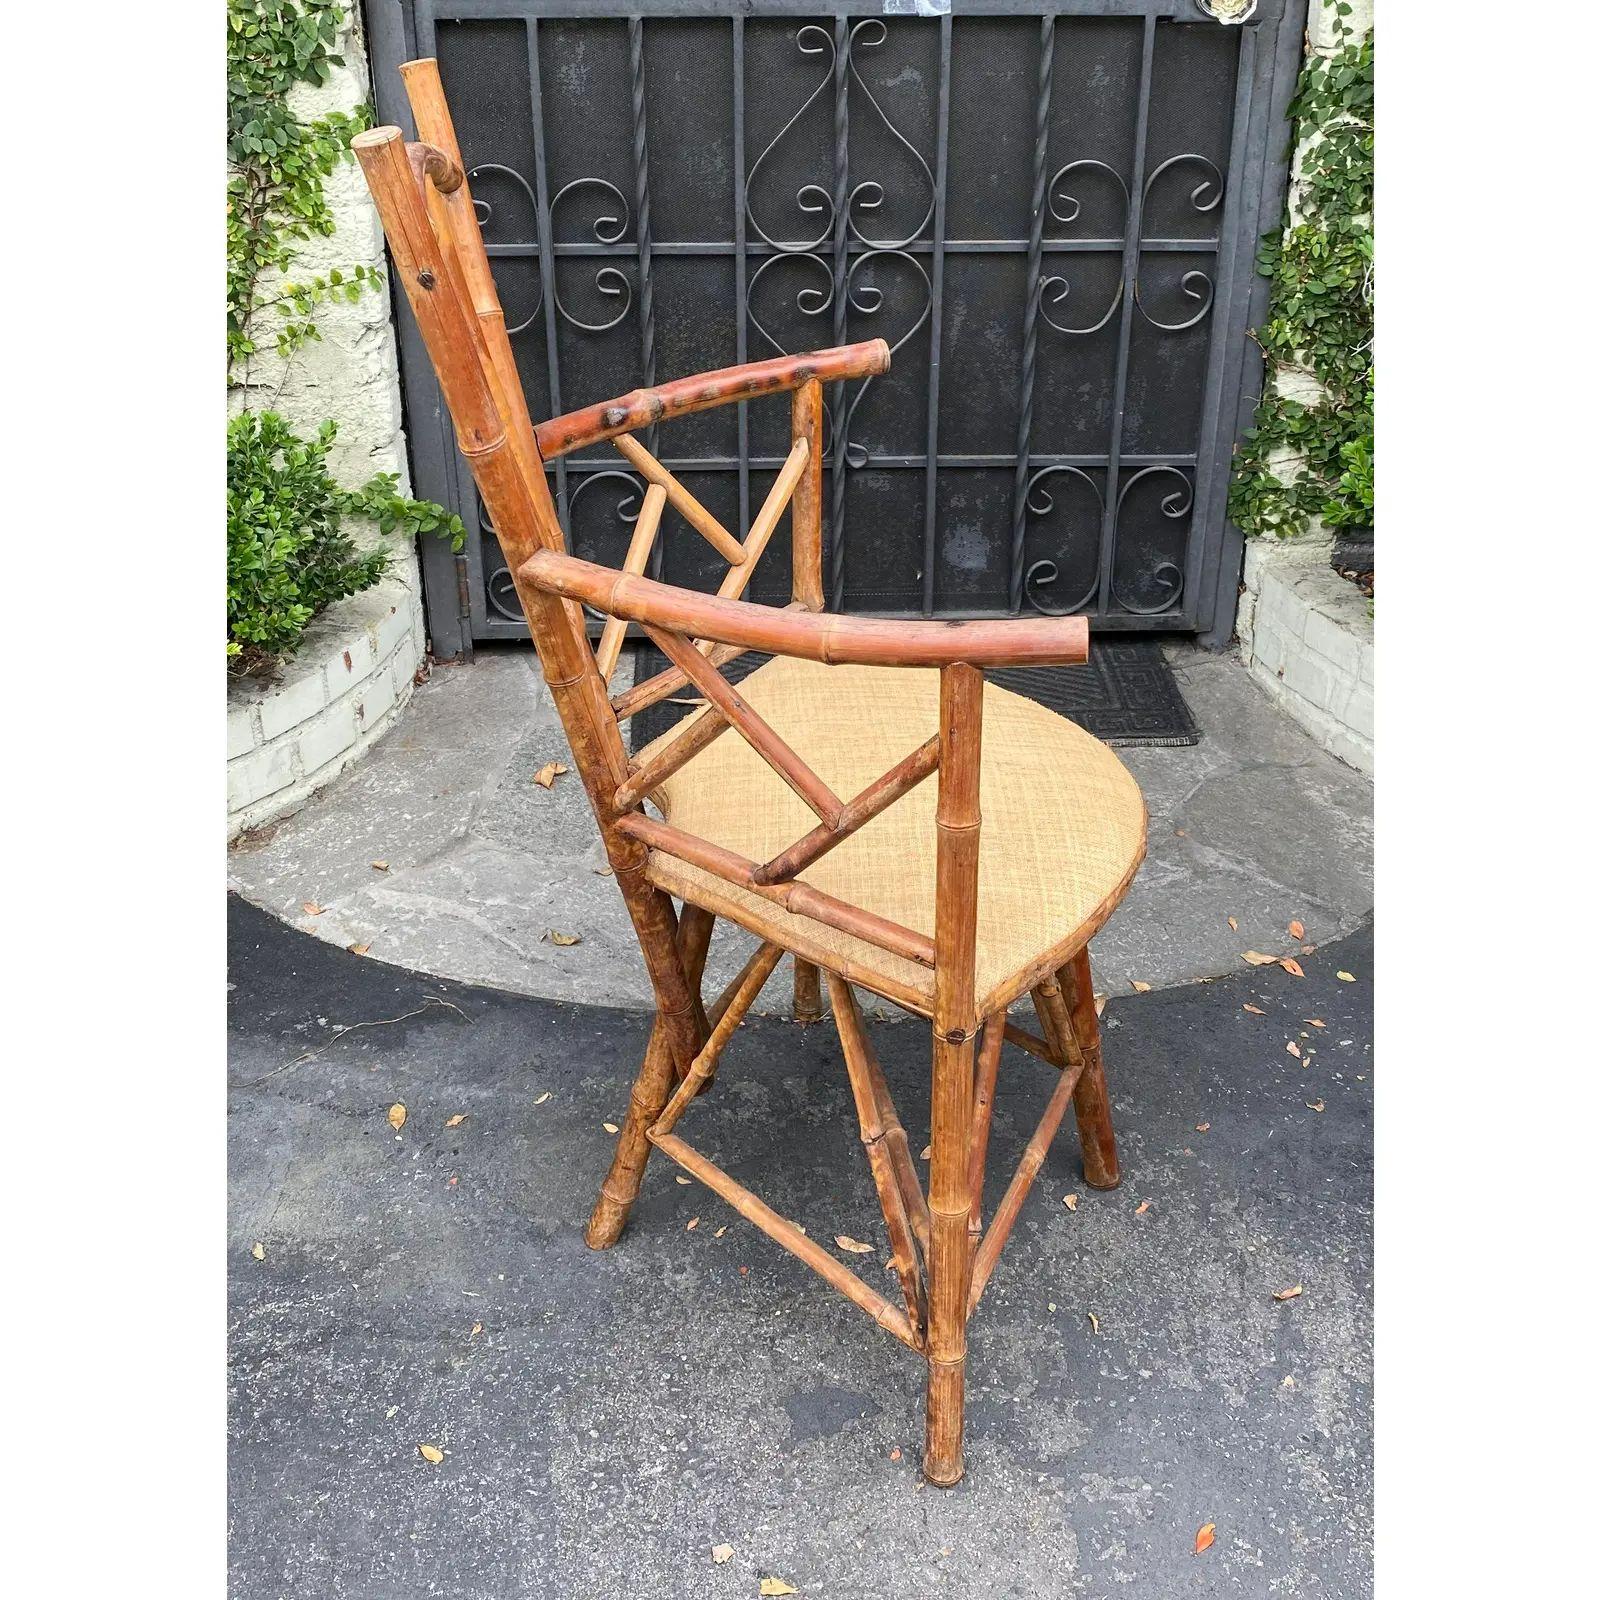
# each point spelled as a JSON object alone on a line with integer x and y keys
{"x": 288, "y": 555}
{"x": 1302, "y": 460}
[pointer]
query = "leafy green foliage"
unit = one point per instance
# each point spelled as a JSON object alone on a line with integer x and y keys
{"x": 288, "y": 556}
{"x": 1301, "y": 459}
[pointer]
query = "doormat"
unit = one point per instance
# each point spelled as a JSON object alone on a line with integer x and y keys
{"x": 1125, "y": 694}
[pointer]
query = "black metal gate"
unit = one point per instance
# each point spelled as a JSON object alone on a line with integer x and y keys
{"x": 1049, "y": 213}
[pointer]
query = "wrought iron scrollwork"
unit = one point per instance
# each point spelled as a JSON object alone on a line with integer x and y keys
{"x": 485, "y": 213}
{"x": 1040, "y": 503}
{"x": 811, "y": 198}
{"x": 1177, "y": 505}
{"x": 1195, "y": 284}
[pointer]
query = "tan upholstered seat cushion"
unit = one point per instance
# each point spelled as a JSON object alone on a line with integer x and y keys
{"x": 1063, "y": 822}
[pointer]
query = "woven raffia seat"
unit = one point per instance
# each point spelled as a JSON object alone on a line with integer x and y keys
{"x": 1063, "y": 821}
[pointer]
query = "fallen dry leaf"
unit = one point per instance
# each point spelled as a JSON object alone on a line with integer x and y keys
{"x": 1288, "y": 1294}
{"x": 1202, "y": 1127}
{"x": 477, "y": 1328}
{"x": 854, "y": 1246}
{"x": 546, "y": 776}
{"x": 721, "y": 1553}
{"x": 1233, "y": 922}
{"x": 1256, "y": 959}
{"x": 679, "y": 1178}
{"x": 610, "y": 1127}
{"x": 358, "y": 949}
{"x": 1070, "y": 1201}
{"x": 430, "y": 1452}
{"x": 380, "y": 866}
{"x": 1288, "y": 1381}
{"x": 894, "y": 1455}
{"x": 1254, "y": 1011}
{"x": 1297, "y": 929}
{"x": 259, "y": 1250}
{"x": 1345, "y": 977}
{"x": 720, "y": 1231}
{"x": 1100, "y": 1003}
{"x": 311, "y": 908}
{"x": 542, "y": 1098}
{"x": 1317, "y": 1105}
{"x": 457, "y": 1120}
{"x": 1140, "y": 988}
{"x": 1293, "y": 1049}
{"x": 1205, "y": 1538}
{"x": 927, "y": 1152}
{"x": 1094, "y": 1321}
{"x": 397, "y": 1116}
{"x": 1292, "y": 967}
{"x": 1316, "y": 1022}
{"x": 1142, "y": 1207}
{"x": 777, "y": 1586}
{"x": 563, "y": 938}
{"x": 693, "y": 1222}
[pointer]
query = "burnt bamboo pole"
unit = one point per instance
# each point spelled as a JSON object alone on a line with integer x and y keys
{"x": 807, "y": 992}
{"x": 753, "y": 728}
{"x": 896, "y": 1218}
{"x": 1091, "y": 1104}
{"x": 805, "y": 422}
{"x": 811, "y": 636}
{"x": 954, "y": 1025}
{"x": 684, "y": 503}
{"x": 898, "y": 1145}
{"x": 780, "y": 1229}
{"x": 694, "y": 941}
{"x": 670, "y": 757}
{"x": 799, "y": 898}
{"x": 431, "y": 112}
{"x": 524, "y": 517}
{"x": 645, "y": 528}
{"x": 641, "y": 408}
{"x": 1053, "y": 1017}
{"x": 994, "y": 1034}
{"x": 750, "y": 982}
{"x": 642, "y": 695}
{"x": 878, "y": 796}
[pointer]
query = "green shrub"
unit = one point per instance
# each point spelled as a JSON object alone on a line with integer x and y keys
{"x": 288, "y": 553}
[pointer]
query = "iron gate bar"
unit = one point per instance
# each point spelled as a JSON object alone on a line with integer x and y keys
{"x": 1246, "y": 194}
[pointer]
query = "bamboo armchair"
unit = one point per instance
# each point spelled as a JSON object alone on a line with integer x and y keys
{"x": 892, "y": 899}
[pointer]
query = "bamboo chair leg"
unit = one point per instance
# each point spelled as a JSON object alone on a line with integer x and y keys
{"x": 949, "y": 1263}
{"x": 1091, "y": 1102}
{"x": 807, "y": 993}
{"x": 694, "y": 941}
{"x": 896, "y": 1218}
{"x": 675, "y": 1038}
{"x": 982, "y": 1116}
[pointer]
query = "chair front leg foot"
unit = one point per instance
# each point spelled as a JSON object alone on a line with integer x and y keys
{"x": 807, "y": 993}
{"x": 943, "y": 1462}
{"x": 621, "y": 1187}
{"x": 1091, "y": 1101}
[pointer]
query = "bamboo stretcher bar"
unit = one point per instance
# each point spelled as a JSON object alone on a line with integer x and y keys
{"x": 640, "y": 408}
{"x": 894, "y": 1134}
{"x": 833, "y": 639}
{"x": 869, "y": 1115}
{"x": 750, "y": 982}
{"x": 1032, "y": 1043}
{"x": 878, "y": 796}
{"x": 784, "y": 1232}
{"x": 683, "y": 502}
{"x": 765, "y": 525}
{"x": 753, "y": 727}
{"x": 1053, "y": 1014}
{"x": 994, "y": 1033}
{"x": 800, "y": 898}
{"x": 636, "y": 560}
{"x": 689, "y": 742}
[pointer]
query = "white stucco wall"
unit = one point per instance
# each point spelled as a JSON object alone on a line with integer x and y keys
{"x": 1304, "y": 632}
{"x": 354, "y": 673}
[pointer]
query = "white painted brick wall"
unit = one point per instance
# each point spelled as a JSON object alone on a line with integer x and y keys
{"x": 355, "y": 671}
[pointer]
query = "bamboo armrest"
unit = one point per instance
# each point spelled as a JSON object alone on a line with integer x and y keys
{"x": 574, "y": 429}
{"x": 809, "y": 635}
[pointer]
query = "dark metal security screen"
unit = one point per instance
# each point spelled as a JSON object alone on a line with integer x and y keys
{"x": 1051, "y": 217}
